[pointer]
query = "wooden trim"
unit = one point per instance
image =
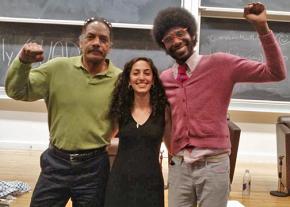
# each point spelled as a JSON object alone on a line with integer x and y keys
{"x": 69, "y": 22}
{"x": 231, "y": 13}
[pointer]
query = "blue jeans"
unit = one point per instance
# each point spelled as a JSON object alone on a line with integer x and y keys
{"x": 84, "y": 181}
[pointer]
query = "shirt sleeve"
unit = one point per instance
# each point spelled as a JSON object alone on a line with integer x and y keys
{"x": 27, "y": 84}
{"x": 272, "y": 69}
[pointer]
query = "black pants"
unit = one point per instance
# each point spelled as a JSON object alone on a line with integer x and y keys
{"x": 61, "y": 179}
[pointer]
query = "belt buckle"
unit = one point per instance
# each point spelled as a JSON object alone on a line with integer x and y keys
{"x": 177, "y": 160}
{"x": 73, "y": 156}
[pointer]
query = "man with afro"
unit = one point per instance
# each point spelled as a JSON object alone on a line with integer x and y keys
{"x": 199, "y": 89}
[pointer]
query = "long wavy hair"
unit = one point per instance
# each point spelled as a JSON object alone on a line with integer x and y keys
{"x": 123, "y": 95}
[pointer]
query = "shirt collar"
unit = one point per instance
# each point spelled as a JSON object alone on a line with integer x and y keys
{"x": 191, "y": 62}
{"x": 78, "y": 64}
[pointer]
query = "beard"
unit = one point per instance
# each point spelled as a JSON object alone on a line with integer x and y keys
{"x": 181, "y": 57}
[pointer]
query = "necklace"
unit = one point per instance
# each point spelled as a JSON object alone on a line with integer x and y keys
{"x": 140, "y": 114}
{"x": 138, "y": 124}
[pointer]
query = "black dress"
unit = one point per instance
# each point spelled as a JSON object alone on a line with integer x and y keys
{"x": 136, "y": 178}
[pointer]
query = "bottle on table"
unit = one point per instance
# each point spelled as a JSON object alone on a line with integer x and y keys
{"x": 246, "y": 189}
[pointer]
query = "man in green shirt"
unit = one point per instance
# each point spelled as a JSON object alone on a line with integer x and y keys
{"x": 77, "y": 92}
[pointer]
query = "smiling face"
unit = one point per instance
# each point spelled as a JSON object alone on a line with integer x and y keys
{"x": 178, "y": 44}
{"x": 95, "y": 42}
{"x": 141, "y": 77}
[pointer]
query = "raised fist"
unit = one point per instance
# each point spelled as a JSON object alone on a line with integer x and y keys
{"x": 31, "y": 53}
{"x": 256, "y": 8}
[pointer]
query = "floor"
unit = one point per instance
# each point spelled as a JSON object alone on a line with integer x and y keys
{"x": 23, "y": 165}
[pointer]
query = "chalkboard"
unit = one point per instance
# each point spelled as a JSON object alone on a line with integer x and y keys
{"x": 118, "y": 11}
{"x": 239, "y": 38}
{"x": 58, "y": 40}
{"x": 275, "y": 5}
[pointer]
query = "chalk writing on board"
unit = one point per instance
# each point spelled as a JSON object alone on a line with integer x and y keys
{"x": 283, "y": 38}
{"x": 214, "y": 38}
{"x": 250, "y": 53}
{"x": 239, "y": 38}
{"x": 52, "y": 49}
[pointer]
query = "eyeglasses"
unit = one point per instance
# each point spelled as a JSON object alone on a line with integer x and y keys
{"x": 168, "y": 39}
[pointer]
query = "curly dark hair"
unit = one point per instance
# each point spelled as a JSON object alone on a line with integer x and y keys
{"x": 170, "y": 18}
{"x": 123, "y": 96}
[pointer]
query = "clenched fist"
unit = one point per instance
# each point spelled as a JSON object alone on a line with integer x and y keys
{"x": 31, "y": 53}
{"x": 255, "y": 13}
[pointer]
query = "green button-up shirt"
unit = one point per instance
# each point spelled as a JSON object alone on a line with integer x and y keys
{"x": 77, "y": 102}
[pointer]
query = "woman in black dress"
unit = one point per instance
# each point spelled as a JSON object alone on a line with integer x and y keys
{"x": 141, "y": 115}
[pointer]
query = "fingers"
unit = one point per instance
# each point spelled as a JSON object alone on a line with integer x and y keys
{"x": 31, "y": 53}
{"x": 254, "y": 8}
{"x": 255, "y": 13}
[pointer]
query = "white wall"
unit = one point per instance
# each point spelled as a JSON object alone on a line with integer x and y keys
{"x": 23, "y": 130}
{"x": 257, "y": 142}
{"x": 29, "y": 130}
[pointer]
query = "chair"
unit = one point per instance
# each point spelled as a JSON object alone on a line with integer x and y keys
{"x": 234, "y": 130}
{"x": 235, "y": 133}
{"x": 283, "y": 150}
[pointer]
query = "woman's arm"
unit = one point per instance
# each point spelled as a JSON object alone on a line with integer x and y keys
{"x": 167, "y": 129}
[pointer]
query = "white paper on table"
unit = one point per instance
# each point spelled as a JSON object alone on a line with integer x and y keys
{"x": 234, "y": 204}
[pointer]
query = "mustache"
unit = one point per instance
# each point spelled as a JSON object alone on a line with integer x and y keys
{"x": 184, "y": 43}
{"x": 95, "y": 49}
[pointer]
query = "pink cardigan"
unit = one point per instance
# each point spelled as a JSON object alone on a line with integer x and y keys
{"x": 199, "y": 105}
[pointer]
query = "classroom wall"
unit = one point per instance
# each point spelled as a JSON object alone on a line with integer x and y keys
{"x": 23, "y": 130}
{"x": 257, "y": 142}
{"x": 24, "y": 125}
{"x": 28, "y": 130}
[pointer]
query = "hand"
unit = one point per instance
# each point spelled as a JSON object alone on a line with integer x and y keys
{"x": 31, "y": 53}
{"x": 255, "y": 13}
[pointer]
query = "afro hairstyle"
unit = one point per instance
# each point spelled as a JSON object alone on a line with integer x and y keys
{"x": 172, "y": 17}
